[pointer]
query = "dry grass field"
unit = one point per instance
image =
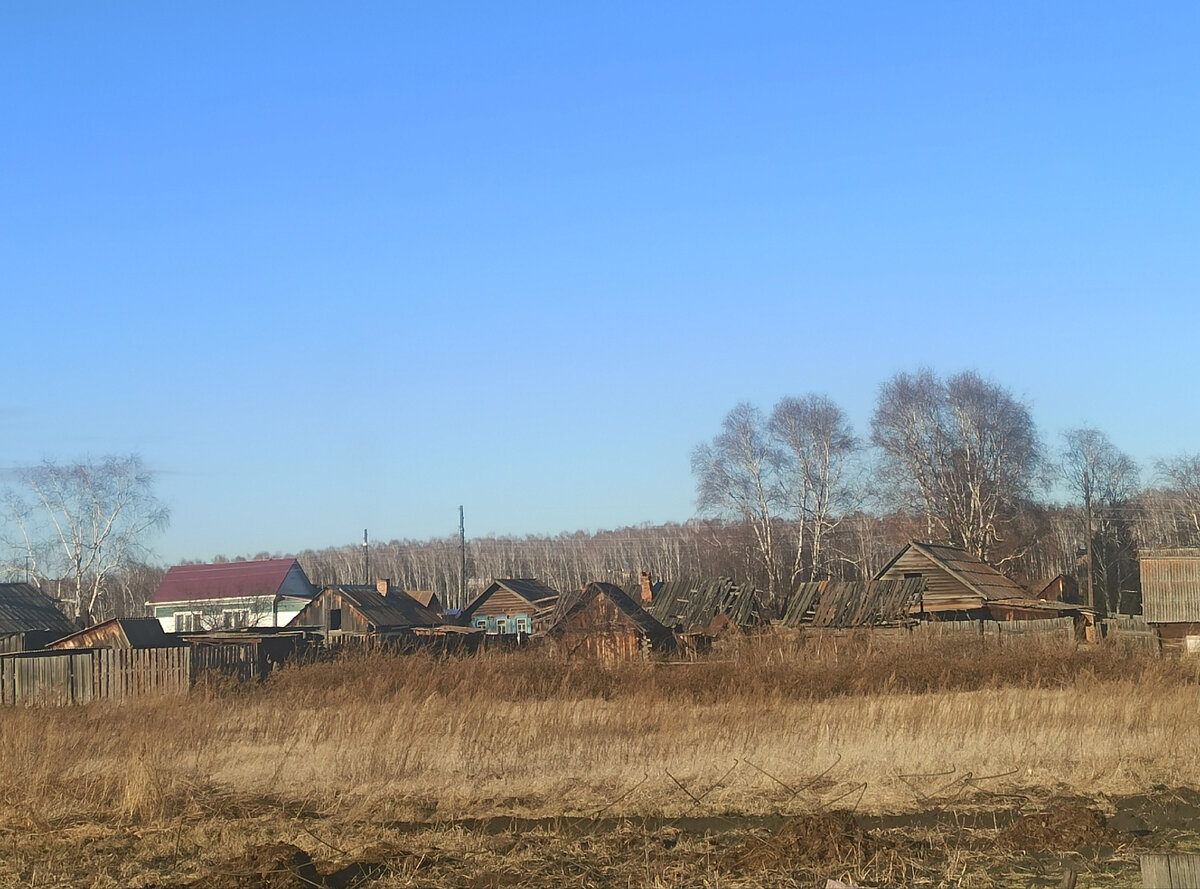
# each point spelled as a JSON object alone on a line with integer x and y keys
{"x": 775, "y": 762}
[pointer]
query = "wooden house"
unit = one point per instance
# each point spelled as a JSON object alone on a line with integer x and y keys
{"x": 381, "y": 611}
{"x": 29, "y": 619}
{"x": 603, "y": 621}
{"x": 957, "y": 584}
{"x": 229, "y": 595}
{"x": 120, "y": 632}
{"x": 1171, "y": 596}
{"x": 511, "y": 606}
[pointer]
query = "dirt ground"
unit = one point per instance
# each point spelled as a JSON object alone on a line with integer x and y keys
{"x": 271, "y": 844}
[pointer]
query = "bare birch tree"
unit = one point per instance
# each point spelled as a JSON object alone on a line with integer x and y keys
{"x": 818, "y": 442}
{"x": 1103, "y": 479}
{"x": 963, "y": 452}
{"x": 84, "y": 521}
{"x": 1181, "y": 476}
{"x": 737, "y": 475}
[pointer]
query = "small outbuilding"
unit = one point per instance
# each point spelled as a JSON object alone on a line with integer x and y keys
{"x": 120, "y": 632}
{"x": 1171, "y": 596}
{"x": 603, "y": 621}
{"x": 29, "y": 619}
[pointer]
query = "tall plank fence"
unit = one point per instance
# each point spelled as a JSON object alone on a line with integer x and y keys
{"x": 78, "y": 676}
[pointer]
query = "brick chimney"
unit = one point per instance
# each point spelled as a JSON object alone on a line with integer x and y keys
{"x": 647, "y": 591}
{"x": 381, "y": 586}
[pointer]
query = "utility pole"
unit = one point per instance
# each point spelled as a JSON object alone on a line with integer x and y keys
{"x": 366, "y": 561}
{"x": 462, "y": 566}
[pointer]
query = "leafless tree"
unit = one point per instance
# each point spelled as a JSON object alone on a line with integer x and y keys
{"x": 1181, "y": 477}
{"x": 737, "y": 475}
{"x": 818, "y": 443}
{"x": 84, "y": 521}
{"x": 1102, "y": 479}
{"x": 963, "y": 452}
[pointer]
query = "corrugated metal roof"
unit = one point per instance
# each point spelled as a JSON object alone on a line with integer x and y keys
{"x": 852, "y": 603}
{"x": 571, "y": 602}
{"x": 1170, "y": 585}
{"x": 24, "y": 608}
{"x": 692, "y": 604}
{"x": 396, "y": 610}
{"x": 224, "y": 580}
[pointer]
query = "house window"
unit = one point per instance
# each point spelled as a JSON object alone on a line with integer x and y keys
{"x": 335, "y": 618}
{"x": 480, "y": 623}
{"x": 502, "y": 625}
{"x": 231, "y": 618}
{"x": 522, "y": 625}
{"x": 187, "y": 622}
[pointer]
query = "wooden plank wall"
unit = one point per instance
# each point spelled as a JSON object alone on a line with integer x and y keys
{"x": 78, "y": 676}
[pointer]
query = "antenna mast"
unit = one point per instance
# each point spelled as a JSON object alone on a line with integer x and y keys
{"x": 366, "y": 560}
{"x": 462, "y": 567}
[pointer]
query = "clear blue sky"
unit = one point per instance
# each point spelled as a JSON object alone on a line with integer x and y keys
{"x": 345, "y": 265}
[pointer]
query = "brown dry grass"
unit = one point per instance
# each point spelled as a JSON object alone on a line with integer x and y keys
{"x": 775, "y": 726}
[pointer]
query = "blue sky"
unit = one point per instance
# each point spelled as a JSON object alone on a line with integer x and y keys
{"x": 335, "y": 266}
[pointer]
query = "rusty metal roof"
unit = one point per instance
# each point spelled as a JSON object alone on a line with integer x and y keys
{"x": 852, "y": 603}
{"x": 23, "y": 607}
{"x": 223, "y": 580}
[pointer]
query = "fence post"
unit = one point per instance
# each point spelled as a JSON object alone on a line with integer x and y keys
{"x": 1174, "y": 870}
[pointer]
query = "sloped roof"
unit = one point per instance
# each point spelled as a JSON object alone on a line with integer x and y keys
{"x": 224, "y": 580}
{"x": 852, "y": 603}
{"x": 976, "y": 575}
{"x": 528, "y": 588}
{"x": 694, "y": 603}
{"x": 396, "y": 610}
{"x": 23, "y": 607}
{"x": 571, "y": 602}
{"x": 139, "y": 632}
{"x": 424, "y": 597}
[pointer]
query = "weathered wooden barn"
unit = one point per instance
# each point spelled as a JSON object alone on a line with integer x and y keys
{"x": 382, "y": 612}
{"x": 847, "y": 604}
{"x": 29, "y": 619}
{"x": 958, "y": 585}
{"x": 603, "y": 621}
{"x": 228, "y": 595}
{"x": 511, "y": 606}
{"x": 703, "y": 607}
{"x": 1171, "y": 596}
{"x": 120, "y": 632}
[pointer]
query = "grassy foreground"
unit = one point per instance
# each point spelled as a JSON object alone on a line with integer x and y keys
{"x": 405, "y": 759}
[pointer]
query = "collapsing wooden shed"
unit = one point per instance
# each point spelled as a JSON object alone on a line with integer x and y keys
{"x": 29, "y": 619}
{"x": 603, "y": 621}
{"x": 844, "y": 604}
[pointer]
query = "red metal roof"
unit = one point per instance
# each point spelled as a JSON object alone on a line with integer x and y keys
{"x": 226, "y": 580}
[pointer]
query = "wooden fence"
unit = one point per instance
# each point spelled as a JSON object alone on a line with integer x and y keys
{"x": 78, "y": 676}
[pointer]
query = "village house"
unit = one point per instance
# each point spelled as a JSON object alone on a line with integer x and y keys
{"x": 603, "y": 621}
{"x": 29, "y": 619}
{"x": 382, "y": 612}
{"x": 227, "y": 595}
{"x": 960, "y": 587}
{"x": 511, "y": 606}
